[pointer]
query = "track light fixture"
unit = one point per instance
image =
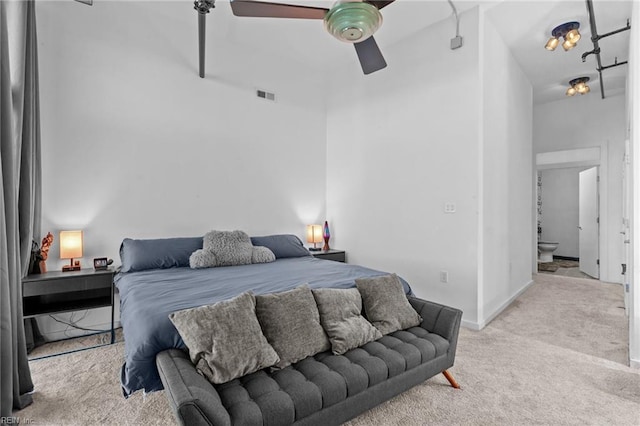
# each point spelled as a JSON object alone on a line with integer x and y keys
{"x": 569, "y": 32}
{"x": 578, "y": 85}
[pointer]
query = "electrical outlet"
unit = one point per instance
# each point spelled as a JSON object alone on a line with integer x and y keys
{"x": 449, "y": 208}
{"x": 444, "y": 277}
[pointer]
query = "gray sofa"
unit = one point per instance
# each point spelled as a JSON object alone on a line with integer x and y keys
{"x": 321, "y": 390}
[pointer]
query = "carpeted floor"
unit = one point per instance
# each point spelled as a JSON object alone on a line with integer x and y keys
{"x": 557, "y": 356}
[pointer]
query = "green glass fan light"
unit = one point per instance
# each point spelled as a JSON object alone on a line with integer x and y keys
{"x": 349, "y": 21}
{"x": 352, "y": 21}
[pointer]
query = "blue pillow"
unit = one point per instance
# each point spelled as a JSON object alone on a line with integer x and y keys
{"x": 139, "y": 255}
{"x": 285, "y": 245}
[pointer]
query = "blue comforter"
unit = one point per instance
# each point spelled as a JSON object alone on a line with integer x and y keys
{"x": 148, "y": 297}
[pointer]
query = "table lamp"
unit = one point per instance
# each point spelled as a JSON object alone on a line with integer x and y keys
{"x": 314, "y": 235}
{"x": 70, "y": 248}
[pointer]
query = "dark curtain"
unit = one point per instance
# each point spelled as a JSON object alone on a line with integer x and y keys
{"x": 20, "y": 175}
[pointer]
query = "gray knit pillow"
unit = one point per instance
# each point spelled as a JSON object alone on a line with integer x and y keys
{"x": 202, "y": 259}
{"x": 386, "y": 305}
{"x": 291, "y": 323}
{"x": 340, "y": 317}
{"x": 229, "y": 247}
{"x": 262, "y": 255}
{"x": 224, "y": 339}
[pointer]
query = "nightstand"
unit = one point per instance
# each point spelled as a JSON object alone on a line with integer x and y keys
{"x": 55, "y": 292}
{"x": 335, "y": 255}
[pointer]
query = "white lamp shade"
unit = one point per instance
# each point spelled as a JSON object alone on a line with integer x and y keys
{"x": 70, "y": 244}
{"x": 314, "y": 233}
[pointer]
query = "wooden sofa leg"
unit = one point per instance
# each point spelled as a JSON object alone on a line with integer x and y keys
{"x": 451, "y": 379}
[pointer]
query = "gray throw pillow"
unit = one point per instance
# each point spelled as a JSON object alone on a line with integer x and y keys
{"x": 158, "y": 253}
{"x": 202, "y": 259}
{"x": 291, "y": 323}
{"x": 285, "y": 245}
{"x": 230, "y": 247}
{"x": 340, "y": 317}
{"x": 224, "y": 339}
{"x": 262, "y": 255}
{"x": 386, "y": 305}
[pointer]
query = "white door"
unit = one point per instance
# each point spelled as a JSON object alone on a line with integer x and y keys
{"x": 588, "y": 222}
{"x": 626, "y": 232}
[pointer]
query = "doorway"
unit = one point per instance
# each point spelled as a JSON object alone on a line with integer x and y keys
{"x": 567, "y": 217}
{"x": 582, "y": 158}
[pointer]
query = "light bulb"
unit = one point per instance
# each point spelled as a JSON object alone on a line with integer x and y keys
{"x": 582, "y": 88}
{"x": 573, "y": 36}
{"x": 552, "y": 44}
{"x": 571, "y": 91}
{"x": 568, "y": 45}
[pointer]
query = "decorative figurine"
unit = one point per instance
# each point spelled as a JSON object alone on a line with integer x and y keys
{"x": 44, "y": 251}
{"x": 326, "y": 235}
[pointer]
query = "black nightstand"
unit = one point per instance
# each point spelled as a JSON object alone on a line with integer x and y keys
{"x": 55, "y": 292}
{"x": 335, "y": 255}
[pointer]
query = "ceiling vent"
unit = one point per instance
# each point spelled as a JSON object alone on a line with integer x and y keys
{"x": 266, "y": 95}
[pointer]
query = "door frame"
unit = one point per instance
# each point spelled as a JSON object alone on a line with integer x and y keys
{"x": 593, "y": 156}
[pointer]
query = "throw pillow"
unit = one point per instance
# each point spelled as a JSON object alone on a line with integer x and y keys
{"x": 224, "y": 339}
{"x": 262, "y": 255}
{"x": 291, "y": 323}
{"x": 385, "y": 303}
{"x": 159, "y": 253}
{"x": 202, "y": 259}
{"x": 282, "y": 245}
{"x": 340, "y": 317}
{"x": 229, "y": 247}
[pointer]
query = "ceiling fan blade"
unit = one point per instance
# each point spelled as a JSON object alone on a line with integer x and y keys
{"x": 263, "y": 9}
{"x": 380, "y": 3}
{"x": 202, "y": 32}
{"x": 371, "y": 58}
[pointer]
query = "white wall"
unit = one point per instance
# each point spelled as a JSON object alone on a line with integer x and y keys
{"x": 135, "y": 144}
{"x": 400, "y": 144}
{"x": 592, "y": 122}
{"x": 633, "y": 126}
{"x": 436, "y": 127}
{"x": 505, "y": 175}
{"x": 560, "y": 204}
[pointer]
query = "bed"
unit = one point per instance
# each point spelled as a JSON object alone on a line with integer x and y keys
{"x": 163, "y": 283}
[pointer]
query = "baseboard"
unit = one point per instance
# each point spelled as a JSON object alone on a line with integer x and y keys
{"x": 575, "y": 259}
{"x": 471, "y": 325}
{"x": 504, "y": 306}
{"x": 634, "y": 363}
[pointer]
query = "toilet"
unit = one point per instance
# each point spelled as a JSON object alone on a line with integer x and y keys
{"x": 545, "y": 251}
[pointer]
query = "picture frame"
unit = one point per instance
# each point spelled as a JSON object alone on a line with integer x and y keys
{"x": 100, "y": 263}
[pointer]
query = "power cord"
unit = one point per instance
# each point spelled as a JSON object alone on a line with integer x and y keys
{"x": 74, "y": 323}
{"x": 456, "y": 42}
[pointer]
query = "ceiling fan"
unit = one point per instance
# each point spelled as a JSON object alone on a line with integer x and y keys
{"x": 350, "y": 21}
{"x": 202, "y": 7}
